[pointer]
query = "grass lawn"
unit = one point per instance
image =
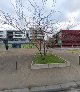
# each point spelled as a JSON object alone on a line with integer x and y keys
{"x": 73, "y": 50}
{"x": 10, "y": 45}
{"x": 27, "y": 46}
{"x": 49, "y": 58}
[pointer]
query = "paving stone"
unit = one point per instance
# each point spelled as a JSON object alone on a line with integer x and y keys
{"x": 45, "y": 88}
{"x": 6, "y": 91}
{"x": 21, "y": 90}
{"x": 78, "y": 83}
{"x": 68, "y": 85}
{"x": 25, "y": 90}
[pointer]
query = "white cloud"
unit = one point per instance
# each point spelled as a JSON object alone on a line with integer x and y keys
{"x": 69, "y": 11}
{"x": 76, "y": 27}
{"x": 74, "y": 4}
{"x": 6, "y": 27}
{"x": 72, "y": 16}
{"x": 13, "y": 2}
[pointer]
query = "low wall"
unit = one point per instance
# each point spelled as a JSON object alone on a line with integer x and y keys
{"x": 41, "y": 66}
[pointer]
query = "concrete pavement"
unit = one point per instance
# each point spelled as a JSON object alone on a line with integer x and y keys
{"x": 24, "y": 77}
{"x": 65, "y": 87}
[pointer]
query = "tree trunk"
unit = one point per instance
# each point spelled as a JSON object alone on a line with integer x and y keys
{"x": 44, "y": 49}
{"x": 40, "y": 44}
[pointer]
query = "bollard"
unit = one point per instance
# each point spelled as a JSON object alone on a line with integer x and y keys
{"x": 16, "y": 65}
{"x": 79, "y": 59}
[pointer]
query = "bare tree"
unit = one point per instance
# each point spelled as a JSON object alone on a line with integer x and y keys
{"x": 41, "y": 20}
{"x": 37, "y": 17}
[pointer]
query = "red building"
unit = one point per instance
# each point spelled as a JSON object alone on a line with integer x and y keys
{"x": 67, "y": 38}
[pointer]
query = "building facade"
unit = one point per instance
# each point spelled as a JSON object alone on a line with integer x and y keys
{"x": 67, "y": 38}
{"x": 15, "y": 34}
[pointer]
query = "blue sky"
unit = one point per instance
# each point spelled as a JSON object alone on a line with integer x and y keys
{"x": 68, "y": 15}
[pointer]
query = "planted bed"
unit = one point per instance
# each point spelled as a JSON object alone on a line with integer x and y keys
{"x": 48, "y": 61}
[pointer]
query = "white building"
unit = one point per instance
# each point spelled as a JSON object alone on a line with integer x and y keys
{"x": 13, "y": 35}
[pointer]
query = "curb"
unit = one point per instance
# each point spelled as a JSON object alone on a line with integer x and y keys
{"x": 43, "y": 66}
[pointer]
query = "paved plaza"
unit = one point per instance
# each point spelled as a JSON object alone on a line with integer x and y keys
{"x": 24, "y": 77}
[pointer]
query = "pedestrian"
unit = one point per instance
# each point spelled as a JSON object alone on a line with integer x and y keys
{"x": 5, "y": 41}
